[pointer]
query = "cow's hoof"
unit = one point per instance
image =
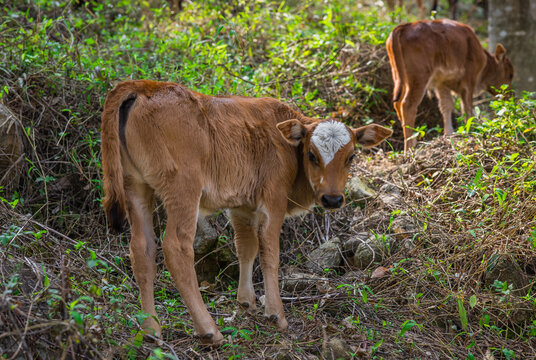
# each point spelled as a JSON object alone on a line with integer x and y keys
{"x": 281, "y": 322}
{"x": 151, "y": 328}
{"x": 248, "y": 306}
{"x": 212, "y": 339}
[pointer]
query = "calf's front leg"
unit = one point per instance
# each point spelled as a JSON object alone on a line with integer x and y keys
{"x": 445, "y": 107}
{"x": 247, "y": 247}
{"x": 269, "y": 228}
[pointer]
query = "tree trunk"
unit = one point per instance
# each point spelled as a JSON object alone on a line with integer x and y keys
{"x": 513, "y": 24}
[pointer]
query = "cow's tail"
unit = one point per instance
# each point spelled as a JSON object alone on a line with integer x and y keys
{"x": 114, "y": 115}
{"x": 397, "y": 62}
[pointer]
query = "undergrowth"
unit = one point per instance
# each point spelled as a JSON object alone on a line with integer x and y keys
{"x": 66, "y": 288}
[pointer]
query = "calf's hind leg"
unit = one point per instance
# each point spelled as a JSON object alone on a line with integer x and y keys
{"x": 412, "y": 98}
{"x": 143, "y": 250}
{"x": 179, "y": 253}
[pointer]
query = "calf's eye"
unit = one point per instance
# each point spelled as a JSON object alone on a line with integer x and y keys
{"x": 312, "y": 158}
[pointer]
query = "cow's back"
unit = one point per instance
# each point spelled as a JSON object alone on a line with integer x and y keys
{"x": 443, "y": 50}
{"x": 231, "y": 144}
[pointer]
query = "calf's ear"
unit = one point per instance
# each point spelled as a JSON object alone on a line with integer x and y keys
{"x": 293, "y": 131}
{"x": 371, "y": 135}
{"x": 500, "y": 52}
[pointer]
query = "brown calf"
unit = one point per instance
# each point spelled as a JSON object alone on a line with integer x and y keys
{"x": 446, "y": 56}
{"x": 198, "y": 153}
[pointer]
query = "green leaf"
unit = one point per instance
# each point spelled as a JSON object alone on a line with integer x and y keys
{"x": 509, "y": 354}
{"x": 77, "y": 317}
{"x": 406, "y": 326}
{"x": 472, "y": 301}
{"x": 463, "y": 313}
{"x": 468, "y": 124}
{"x": 478, "y": 175}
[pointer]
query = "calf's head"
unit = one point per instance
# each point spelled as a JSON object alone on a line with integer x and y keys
{"x": 328, "y": 151}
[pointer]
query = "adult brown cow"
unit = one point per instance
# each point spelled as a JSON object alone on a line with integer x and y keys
{"x": 257, "y": 157}
{"x": 446, "y": 56}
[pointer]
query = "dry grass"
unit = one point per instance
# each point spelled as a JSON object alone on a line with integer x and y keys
{"x": 67, "y": 289}
{"x": 442, "y": 261}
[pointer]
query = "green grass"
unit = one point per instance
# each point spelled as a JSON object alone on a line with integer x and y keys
{"x": 472, "y": 201}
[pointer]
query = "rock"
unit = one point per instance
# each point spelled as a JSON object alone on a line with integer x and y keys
{"x": 210, "y": 259}
{"x": 335, "y": 349}
{"x": 372, "y": 250}
{"x": 206, "y": 237}
{"x": 350, "y": 245}
{"x": 404, "y": 227}
{"x": 391, "y": 196}
{"x": 503, "y": 267}
{"x": 221, "y": 261}
{"x": 11, "y": 147}
{"x": 327, "y": 256}
{"x": 366, "y": 253}
{"x": 297, "y": 281}
{"x": 359, "y": 192}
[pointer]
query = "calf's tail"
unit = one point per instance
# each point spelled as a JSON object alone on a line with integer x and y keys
{"x": 114, "y": 117}
{"x": 396, "y": 58}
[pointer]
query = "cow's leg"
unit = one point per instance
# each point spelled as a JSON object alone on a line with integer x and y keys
{"x": 398, "y": 107}
{"x": 270, "y": 220}
{"x": 247, "y": 247}
{"x": 445, "y": 107}
{"x": 467, "y": 102}
{"x": 143, "y": 250}
{"x": 412, "y": 98}
{"x": 182, "y": 211}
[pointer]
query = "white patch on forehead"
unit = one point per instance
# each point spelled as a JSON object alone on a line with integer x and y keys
{"x": 329, "y": 137}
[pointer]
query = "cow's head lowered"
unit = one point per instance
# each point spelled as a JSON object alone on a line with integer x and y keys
{"x": 328, "y": 151}
{"x": 503, "y": 73}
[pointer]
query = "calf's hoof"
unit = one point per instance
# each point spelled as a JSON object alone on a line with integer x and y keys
{"x": 248, "y": 306}
{"x": 247, "y": 301}
{"x": 152, "y": 328}
{"x": 280, "y": 321}
{"x": 212, "y": 339}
